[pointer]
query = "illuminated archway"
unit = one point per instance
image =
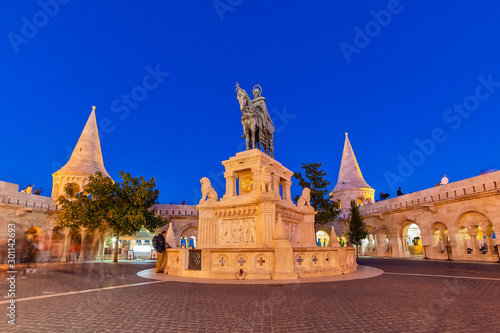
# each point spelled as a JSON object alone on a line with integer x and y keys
{"x": 34, "y": 234}
{"x": 322, "y": 238}
{"x": 412, "y": 239}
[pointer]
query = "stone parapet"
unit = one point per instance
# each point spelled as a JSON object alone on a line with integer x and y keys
{"x": 483, "y": 185}
{"x": 176, "y": 210}
{"x": 26, "y": 200}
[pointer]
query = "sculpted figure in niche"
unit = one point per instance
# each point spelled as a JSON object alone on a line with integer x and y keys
{"x": 305, "y": 198}
{"x": 265, "y": 179}
{"x": 207, "y": 190}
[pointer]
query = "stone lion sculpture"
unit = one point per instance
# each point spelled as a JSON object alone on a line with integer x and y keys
{"x": 265, "y": 179}
{"x": 305, "y": 198}
{"x": 207, "y": 190}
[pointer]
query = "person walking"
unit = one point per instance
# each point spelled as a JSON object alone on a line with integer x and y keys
{"x": 160, "y": 247}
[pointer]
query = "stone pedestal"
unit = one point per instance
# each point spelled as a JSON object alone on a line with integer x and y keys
{"x": 254, "y": 230}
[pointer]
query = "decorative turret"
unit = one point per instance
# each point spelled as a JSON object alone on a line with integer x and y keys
{"x": 85, "y": 161}
{"x": 351, "y": 184}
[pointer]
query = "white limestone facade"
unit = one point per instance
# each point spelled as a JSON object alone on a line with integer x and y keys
{"x": 456, "y": 220}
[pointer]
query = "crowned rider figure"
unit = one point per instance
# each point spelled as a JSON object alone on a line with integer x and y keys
{"x": 258, "y": 128}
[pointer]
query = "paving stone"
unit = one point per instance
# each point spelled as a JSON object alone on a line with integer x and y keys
{"x": 387, "y": 303}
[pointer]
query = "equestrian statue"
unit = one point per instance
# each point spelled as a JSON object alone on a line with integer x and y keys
{"x": 258, "y": 128}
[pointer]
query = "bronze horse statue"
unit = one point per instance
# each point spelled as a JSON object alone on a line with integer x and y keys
{"x": 258, "y": 129}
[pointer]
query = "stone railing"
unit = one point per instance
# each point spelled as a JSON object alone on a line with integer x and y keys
{"x": 453, "y": 191}
{"x": 26, "y": 200}
{"x": 176, "y": 210}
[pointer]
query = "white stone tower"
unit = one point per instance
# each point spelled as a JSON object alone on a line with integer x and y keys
{"x": 85, "y": 161}
{"x": 351, "y": 185}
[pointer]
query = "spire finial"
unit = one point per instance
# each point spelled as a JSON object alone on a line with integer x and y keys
{"x": 93, "y": 108}
{"x": 345, "y": 133}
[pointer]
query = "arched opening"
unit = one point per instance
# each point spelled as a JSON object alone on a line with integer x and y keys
{"x": 412, "y": 239}
{"x": 342, "y": 238}
{"x": 192, "y": 242}
{"x": 75, "y": 245}
{"x": 75, "y": 187}
{"x": 34, "y": 234}
{"x": 386, "y": 241}
{"x": 369, "y": 244}
{"x": 186, "y": 235}
{"x": 322, "y": 238}
{"x": 57, "y": 244}
{"x": 369, "y": 200}
{"x": 359, "y": 202}
{"x": 183, "y": 242}
{"x": 339, "y": 203}
{"x": 440, "y": 242}
{"x": 477, "y": 233}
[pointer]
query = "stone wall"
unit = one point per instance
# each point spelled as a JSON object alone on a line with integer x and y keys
{"x": 450, "y": 216}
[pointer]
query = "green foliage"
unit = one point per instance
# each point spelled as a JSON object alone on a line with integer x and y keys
{"x": 315, "y": 180}
{"x": 357, "y": 228}
{"x": 123, "y": 208}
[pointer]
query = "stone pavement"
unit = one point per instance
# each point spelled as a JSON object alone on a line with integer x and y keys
{"x": 412, "y": 296}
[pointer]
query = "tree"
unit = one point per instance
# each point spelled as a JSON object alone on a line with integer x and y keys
{"x": 320, "y": 199}
{"x": 357, "y": 228}
{"x": 122, "y": 208}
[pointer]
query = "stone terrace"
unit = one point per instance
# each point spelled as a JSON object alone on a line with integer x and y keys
{"x": 487, "y": 184}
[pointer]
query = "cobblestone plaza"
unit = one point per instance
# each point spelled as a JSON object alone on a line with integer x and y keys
{"x": 410, "y": 296}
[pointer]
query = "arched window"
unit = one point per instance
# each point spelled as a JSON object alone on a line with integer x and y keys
{"x": 359, "y": 202}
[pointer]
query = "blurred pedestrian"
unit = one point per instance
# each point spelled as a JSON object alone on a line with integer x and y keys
{"x": 74, "y": 250}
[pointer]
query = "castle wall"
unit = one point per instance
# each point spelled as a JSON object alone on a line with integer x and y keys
{"x": 454, "y": 215}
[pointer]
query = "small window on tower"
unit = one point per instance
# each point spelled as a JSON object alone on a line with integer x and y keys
{"x": 81, "y": 149}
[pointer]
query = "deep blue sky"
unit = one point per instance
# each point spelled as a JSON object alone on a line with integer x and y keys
{"x": 396, "y": 88}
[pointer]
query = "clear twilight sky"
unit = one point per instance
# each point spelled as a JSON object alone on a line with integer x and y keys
{"x": 416, "y": 84}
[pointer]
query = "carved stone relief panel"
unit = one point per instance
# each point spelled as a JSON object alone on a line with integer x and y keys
{"x": 237, "y": 231}
{"x": 292, "y": 231}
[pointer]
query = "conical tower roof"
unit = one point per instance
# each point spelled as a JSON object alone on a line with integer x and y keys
{"x": 87, "y": 155}
{"x": 350, "y": 176}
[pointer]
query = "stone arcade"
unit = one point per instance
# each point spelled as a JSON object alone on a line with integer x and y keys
{"x": 456, "y": 220}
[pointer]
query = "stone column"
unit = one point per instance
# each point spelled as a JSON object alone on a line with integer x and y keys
{"x": 457, "y": 242}
{"x": 276, "y": 184}
{"x": 83, "y": 232}
{"x": 473, "y": 240}
{"x": 397, "y": 246}
{"x": 381, "y": 244}
{"x": 287, "y": 195}
{"x": 489, "y": 242}
{"x": 65, "y": 248}
{"x": 230, "y": 184}
{"x": 429, "y": 249}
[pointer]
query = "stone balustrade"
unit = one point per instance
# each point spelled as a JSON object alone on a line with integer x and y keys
{"x": 26, "y": 200}
{"x": 440, "y": 194}
{"x": 176, "y": 210}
